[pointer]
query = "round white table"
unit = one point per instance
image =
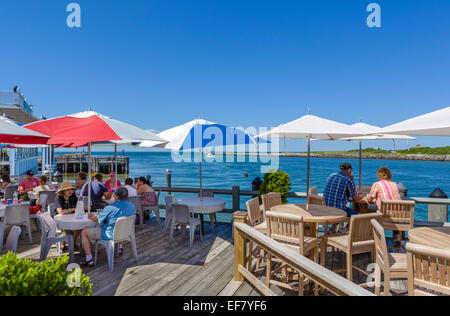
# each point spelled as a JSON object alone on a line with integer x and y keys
{"x": 205, "y": 205}
{"x": 70, "y": 223}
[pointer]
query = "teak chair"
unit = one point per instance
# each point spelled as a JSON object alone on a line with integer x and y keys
{"x": 392, "y": 265}
{"x": 428, "y": 271}
{"x": 314, "y": 190}
{"x": 270, "y": 200}
{"x": 398, "y": 216}
{"x": 359, "y": 240}
{"x": 314, "y": 199}
{"x": 257, "y": 221}
{"x": 289, "y": 230}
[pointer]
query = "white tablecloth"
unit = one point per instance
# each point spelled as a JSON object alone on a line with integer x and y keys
{"x": 206, "y": 205}
{"x": 69, "y": 222}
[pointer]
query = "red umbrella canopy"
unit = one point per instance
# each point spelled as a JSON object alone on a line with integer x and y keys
{"x": 79, "y": 129}
{"x": 11, "y": 133}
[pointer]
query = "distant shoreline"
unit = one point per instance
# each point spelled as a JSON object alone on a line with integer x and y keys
{"x": 442, "y": 158}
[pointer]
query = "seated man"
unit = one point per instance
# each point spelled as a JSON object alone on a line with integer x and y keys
{"x": 98, "y": 192}
{"x": 28, "y": 185}
{"x": 107, "y": 221}
{"x": 129, "y": 186}
{"x": 340, "y": 189}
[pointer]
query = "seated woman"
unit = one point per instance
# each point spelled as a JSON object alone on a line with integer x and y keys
{"x": 112, "y": 183}
{"x": 148, "y": 194}
{"x": 66, "y": 203}
{"x": 385, "y": 189}
{"x": 6, "y": 182}
{"x": 43, "y": 186}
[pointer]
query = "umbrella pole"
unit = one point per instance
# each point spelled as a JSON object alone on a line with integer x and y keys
{"x": 115, "y": 159}
{"x": 90, "y": 178}
{"x": 360, "y": 164}
{"x": 308, "y": 177}
{"x": 50, "y": 164}
{"x": 201, "y": 173}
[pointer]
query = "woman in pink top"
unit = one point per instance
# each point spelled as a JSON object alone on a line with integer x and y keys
{"x": 111, "y": 183}
{"x": 385, "y": 189}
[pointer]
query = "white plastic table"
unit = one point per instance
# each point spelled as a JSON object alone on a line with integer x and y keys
{"x": 205, "y": 205}
{"x": 70, "y": 223}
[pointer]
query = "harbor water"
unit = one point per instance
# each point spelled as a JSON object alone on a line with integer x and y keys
{"x": 420, "y": 177}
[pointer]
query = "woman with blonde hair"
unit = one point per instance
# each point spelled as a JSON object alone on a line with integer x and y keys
{"x": 385, "y": 189}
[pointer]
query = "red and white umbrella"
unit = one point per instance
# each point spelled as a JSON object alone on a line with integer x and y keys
{"x": 78, "y": 130}
{"x": 11, "y": 133}
{"x": 87, "y": 128}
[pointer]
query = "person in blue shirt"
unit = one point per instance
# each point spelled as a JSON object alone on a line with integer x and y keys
{"x": 106, "y": 222}
{"x": 340, "y": 189}
{"x": 98, "y": 192}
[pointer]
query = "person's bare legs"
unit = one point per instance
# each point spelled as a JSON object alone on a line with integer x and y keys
{"x": 86, "y": 243}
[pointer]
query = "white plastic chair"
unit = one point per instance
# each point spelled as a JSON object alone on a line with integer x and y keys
{"x": 123, "y": 231}
{"x": 16, "y": 215}
{"x": 51, "y": 236}
{"x": 154, "y": 209}
{"x": 170, "y": 200}
{"x": 42, "y": 201}
{"x": 181, "y": 216}
{"x": 136, "y": 201}
{"x": 13, "y": 239}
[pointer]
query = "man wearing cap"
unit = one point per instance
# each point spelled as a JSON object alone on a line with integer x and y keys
{"x": 28, "y": 185}
{"x": 340, "y": 189}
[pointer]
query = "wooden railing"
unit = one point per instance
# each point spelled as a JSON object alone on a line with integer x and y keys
{"x": 324, "y": 277}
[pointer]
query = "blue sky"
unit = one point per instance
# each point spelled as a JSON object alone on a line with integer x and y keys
{"x": 157, "y": 64}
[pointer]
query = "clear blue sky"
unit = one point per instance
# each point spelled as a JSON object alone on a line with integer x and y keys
{"x": 157, "y": 64}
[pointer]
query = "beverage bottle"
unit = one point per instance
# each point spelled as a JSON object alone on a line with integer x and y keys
{"x": 15, "y": 197}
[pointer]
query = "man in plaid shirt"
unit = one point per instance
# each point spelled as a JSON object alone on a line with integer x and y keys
{"x": 340, "y": 189}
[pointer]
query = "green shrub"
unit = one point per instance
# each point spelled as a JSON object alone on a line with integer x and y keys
{"x": 276, "y": 181}
{"x": 23, "y": 277}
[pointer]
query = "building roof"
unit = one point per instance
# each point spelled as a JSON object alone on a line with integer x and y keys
{"x": 18, "y": 115}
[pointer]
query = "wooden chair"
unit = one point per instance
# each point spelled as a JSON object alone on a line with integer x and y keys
{"x": 270, "y": 200}
{"x": 392, "y": 265}
{"x": 428, "y": 271}
{"x": 257, "y": 221}
{"x": 314, "y": 190}
{"x": 289, "y": 230}
{"x": 363, "y": 189}
{"x": 314, "y": 199}
{"x": 359, "y": 240}
{"x": 398, "y": 216}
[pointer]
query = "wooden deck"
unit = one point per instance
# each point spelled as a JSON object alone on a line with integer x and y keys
{"x": 176, "y": 269}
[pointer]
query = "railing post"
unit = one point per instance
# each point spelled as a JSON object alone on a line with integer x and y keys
{"x": 239, "y": 246}
{"x": 169, "y": 180}
{"x": 236, "y": 198}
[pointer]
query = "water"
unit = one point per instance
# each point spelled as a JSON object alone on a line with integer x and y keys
{"x": 420, "y": 177}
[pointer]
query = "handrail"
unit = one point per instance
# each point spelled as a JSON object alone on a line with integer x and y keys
{"x": 324, "y": 277}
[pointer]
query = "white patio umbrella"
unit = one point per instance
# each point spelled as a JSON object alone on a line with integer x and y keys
{"x": 12, "y": 133}
{"x": 312, "y": 127}
{"x": 370, "y": 129}
{"x": 199, "y": 134}
{"x": 432, "y": 124}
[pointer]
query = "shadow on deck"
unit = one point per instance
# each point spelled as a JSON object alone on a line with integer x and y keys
{"x": 175, "y": 269}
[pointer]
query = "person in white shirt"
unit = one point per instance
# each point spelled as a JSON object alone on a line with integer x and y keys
{"x": 129, "y": 186}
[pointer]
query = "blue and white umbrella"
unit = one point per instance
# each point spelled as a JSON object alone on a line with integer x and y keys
{"x": 199, "y": 135}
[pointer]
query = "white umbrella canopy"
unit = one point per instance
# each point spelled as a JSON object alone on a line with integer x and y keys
{"x": 312, "y": 127}
{"x": 432, "y": 124}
